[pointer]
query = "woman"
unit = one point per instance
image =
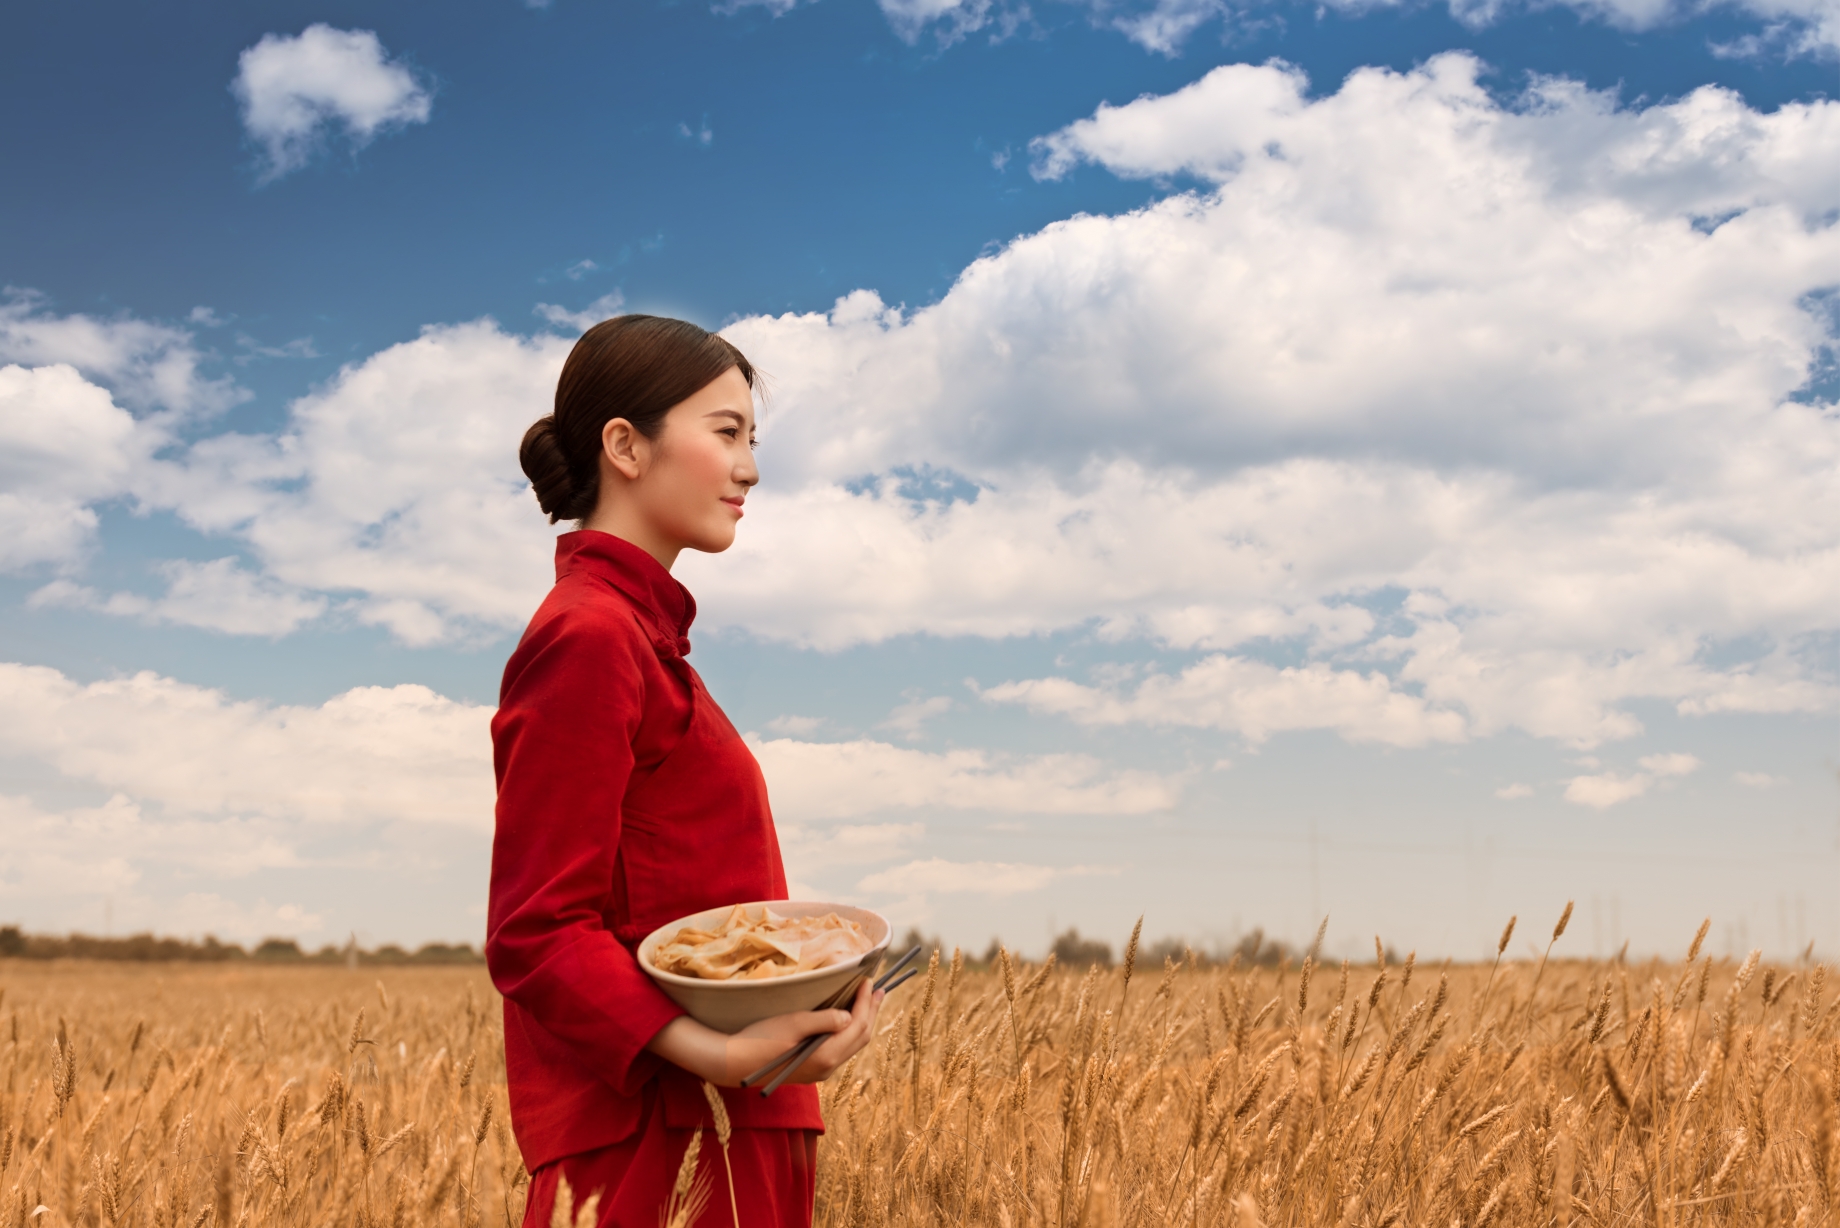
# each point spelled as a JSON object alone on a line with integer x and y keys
{"x": 626, "y": 800}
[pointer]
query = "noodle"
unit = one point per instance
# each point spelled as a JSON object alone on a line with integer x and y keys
{"x": 745, "y": 947}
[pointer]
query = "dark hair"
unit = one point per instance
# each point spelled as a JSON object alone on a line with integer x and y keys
{"x": 631, "y": 367}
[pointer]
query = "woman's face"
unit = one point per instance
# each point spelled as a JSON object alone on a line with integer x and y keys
{"x": 696, "y": 474}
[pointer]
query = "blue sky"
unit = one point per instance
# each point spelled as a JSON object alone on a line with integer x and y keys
{"x": 1230, "y": 462}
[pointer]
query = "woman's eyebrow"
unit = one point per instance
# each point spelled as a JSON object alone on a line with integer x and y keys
{"x": 739, "y": 418}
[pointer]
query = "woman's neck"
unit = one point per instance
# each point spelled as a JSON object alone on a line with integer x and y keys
{"x": 634, "y": 530}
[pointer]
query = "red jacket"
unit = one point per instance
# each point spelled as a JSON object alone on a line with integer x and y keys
{"x": 605, "y": 832}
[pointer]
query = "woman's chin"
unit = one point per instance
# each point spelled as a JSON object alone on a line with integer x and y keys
{"x": 714, "y": 542}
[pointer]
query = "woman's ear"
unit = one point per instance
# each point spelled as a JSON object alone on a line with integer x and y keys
{"x": 625, "y": 448}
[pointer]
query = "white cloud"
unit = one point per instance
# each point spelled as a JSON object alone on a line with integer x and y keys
{"x": 810, "y": 849}
{"x": 371, "y": 754}
{"x": 64, "y": 445}
{"x": 1606, "y": 790}
{"x": 1670, "y": 765}
{"x": 1759, "y": 780}
{"x": 1514, "y": 792}
{"x": 1290, "y": 368}
{"x": 948, "y": 20}
{"x": 602, "y": 308}
{"x": 1609, "y": 788}
{"x": 936, "y": 876}
{"x": 1251, "y": 699}
{"x": 796, "y": 725}
{"x": 817, "y": 781}
{"x": 62, "y": 866}
{"x": 148, "y": 366}
{"x": 207, "y": 787}
{"x": 1468, "y": 409}
{"x": 398, "y": 482}
{"x": 100, "y": 850}
{"x": 909, "y": 719}
{"x": 1789, "y": 27}
{"x": 295, "y": 89}
{"x": 1163, "y": 25}
{"x": 85, "y": 404}
{"x": 219, "y": 595}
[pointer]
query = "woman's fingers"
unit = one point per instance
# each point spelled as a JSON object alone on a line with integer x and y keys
{"x": 796, "y": 1025}
{"x": 848, "y": 1032}
{"x": 847, "y": 1041}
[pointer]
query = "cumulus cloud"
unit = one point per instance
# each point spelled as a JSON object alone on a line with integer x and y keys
{"x": 64, "y": 446}
{"x": 937, "y": 876}
{"x": 202, "y": 789}
{"x": 85, "y": 403}
{"x": 103, "y": 849}
{"x": 199, "y": 784}
{"x": 148, "y": 366}
{"x": 1514, "y": 792}
{"x": 1794, "y": 27}
{"x": 1609, "y": 788}
{"x": 371, "y": 754}
{"x": 1419, "y": 417}
{"x": 1251, "y": 699}
{"x": 1463, "y": 381}
{"x": 220, "y": 595}
{"x": 1161, "y": 26}
{"x": 909, "y": 719}
{"x": 1758, "y": 780}
{"x": 814, "y": 781}
{"x": 397, "y": 483}
{"x": 1670, "y": 765}
{"x": 796, "y": 724}
{"x": 62, "y": 863}
{"x": 604, "y": 307}
{"x": 295, "y": 90}
{"x": 811, "y": 848}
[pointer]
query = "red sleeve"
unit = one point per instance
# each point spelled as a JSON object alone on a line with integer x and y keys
{"x": 563, "y": 749}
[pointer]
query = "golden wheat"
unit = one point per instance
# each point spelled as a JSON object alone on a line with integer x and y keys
{"x": 184, "y": 1095}
{"x": 1537, "y": 1092}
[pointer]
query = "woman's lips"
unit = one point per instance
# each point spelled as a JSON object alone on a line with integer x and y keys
{"x": 736, "y": 504}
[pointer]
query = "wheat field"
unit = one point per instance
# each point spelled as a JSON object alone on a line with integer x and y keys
{"x": 1526, "y": 1092}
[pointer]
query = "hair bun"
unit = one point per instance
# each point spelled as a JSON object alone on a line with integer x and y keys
{"x": 547, "y": 468}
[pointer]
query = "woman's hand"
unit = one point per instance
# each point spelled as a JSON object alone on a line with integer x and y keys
{"x": 726, "y": 1060}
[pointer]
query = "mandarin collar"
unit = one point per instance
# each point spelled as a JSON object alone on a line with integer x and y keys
{"x": 635, "y": 573}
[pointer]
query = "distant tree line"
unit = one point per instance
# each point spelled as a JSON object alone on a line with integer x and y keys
{"x": 146, "y": 948}
{"x": 1071, "y": 949}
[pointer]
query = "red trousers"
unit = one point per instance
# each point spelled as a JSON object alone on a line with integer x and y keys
{"x": 775, "y": 1177}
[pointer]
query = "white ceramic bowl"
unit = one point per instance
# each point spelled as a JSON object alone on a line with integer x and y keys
{"x": 729, "y": 1006}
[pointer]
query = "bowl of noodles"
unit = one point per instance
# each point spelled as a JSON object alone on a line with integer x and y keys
{"x": 732, "y": 966}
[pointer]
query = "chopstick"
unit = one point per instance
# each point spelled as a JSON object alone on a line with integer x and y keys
{"x": 795, "y": 1057}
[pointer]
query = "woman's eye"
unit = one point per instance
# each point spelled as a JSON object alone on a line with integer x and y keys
{"x": 733, "y": 432}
